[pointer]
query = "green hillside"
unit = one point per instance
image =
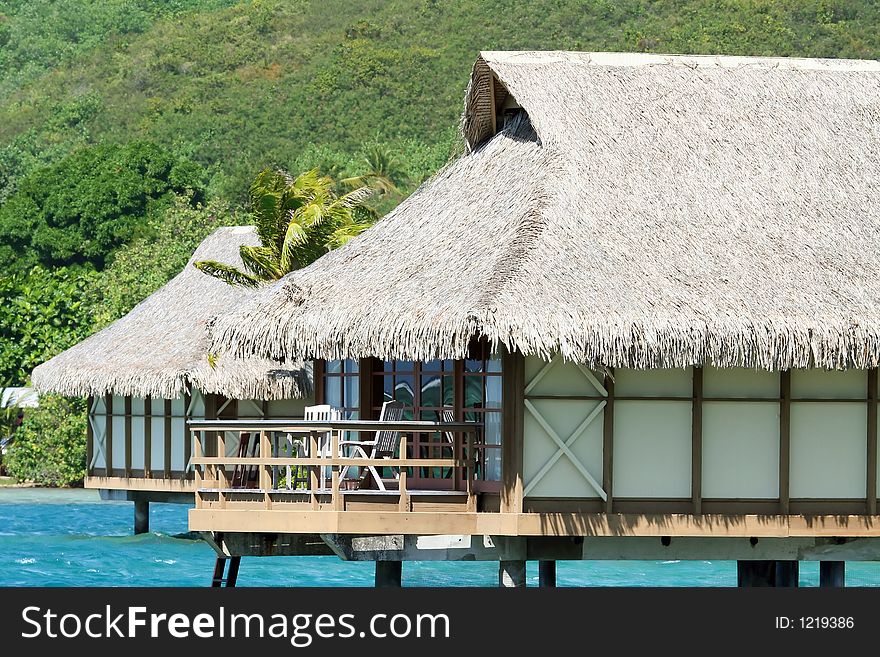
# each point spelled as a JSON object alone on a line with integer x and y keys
{"x": 226, "y": 88}
{"x": 266, "y": 82}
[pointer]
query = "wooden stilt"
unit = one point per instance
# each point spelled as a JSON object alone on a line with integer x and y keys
{"x": 832, "y": 574}
{"x": 547, "y": 574}
{"x": 141, "y": 517}
{"x": 767, "y": 573}
{"x": 787, "y": 573}
{"x": 389, "y": 574}
{"x": 755, "y": 573}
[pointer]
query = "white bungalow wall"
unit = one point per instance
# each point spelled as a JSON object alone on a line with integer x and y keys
{"x": 652, "y": 438}
{"x": 99, "y": 417}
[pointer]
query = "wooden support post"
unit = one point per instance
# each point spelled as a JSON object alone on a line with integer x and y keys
{"x": 512, "y": 574}
{"x": 784, "y": 440}
{"x": 266, "y": 470}
{"x": 141, "y": 516}
{"x": 127, "y": 436}
{"x": 767, "y": 573}
{"x": 608, "y": 443}
{"x": 167, "y": 438}
{"x": 148, "y": 437}
{"x": 787, "y": 574}
{"x": 458, "y": 378}
{"x": 832, "y": 574}
{"x": 697, "y": 442}
{"x": 513, "y": 373}
{"x": 871, "y": 470}
{"x": 404, "y": 495}
{"x": 471, "y": 459}
{"x": 755, "y": 573}
{"x": 389, "y": 574}
{"x": 313, "y": 470}
{"x": 547, "y": 574}
{"x": 108, "y": 437}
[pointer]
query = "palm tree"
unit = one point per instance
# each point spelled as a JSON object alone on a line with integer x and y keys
{"x": 382, "y": 170}
{"x": 297, "y": 220}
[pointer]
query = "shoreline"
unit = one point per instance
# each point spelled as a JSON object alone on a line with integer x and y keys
{"x": 10, "y": 482}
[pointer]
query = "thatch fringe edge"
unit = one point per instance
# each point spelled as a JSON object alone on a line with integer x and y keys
{"x": 766, "y": 347}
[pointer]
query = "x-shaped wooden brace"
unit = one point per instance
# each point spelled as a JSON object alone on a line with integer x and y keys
{"x": 565, "y": 448}
{"x": 98, "y": 439}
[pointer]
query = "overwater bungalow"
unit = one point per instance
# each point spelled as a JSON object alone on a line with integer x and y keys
{"x": 148, "y": 373}
{"x": 638, "y": 319}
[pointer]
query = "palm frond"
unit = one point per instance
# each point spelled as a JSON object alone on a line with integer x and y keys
{"x": 227, "y": 273}
{"x": 261, "y": 261}
{"x": 296, "y": 236}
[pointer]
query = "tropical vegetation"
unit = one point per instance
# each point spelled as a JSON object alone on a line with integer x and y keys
{"x": 129, "y": 129}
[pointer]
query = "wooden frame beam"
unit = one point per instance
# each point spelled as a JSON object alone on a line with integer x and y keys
{"x": 697, "y": 441}
{"x": 167, "y": 439}
{"x": 871, "y": 469}
{"x": 148, "y": 436}
{"x": 784, "y": 441}
{"x": 128, "y": 436}
{"x": 529, "y": 524}
{"x": 513, "y": 409}
{"x": 108, "y": 437}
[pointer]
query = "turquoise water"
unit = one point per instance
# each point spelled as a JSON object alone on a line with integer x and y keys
{"x": 71, "y": 538}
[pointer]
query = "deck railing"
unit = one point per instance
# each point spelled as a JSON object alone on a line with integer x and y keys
{"x": 215, "y": 472}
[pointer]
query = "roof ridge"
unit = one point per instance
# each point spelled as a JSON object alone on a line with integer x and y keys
{"x": 629, "y": 59}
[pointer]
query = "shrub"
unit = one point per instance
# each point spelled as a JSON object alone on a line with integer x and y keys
{"x": 50, "y": 445}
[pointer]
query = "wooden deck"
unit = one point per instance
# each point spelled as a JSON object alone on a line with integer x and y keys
{"x": 459, "y": 508}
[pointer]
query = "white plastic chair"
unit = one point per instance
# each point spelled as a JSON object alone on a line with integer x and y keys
{"x": 321, "y": 413}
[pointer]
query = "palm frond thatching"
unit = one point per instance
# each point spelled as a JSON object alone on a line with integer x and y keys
{"x": 160, "y": 348}
{"x": 632, "y": 210}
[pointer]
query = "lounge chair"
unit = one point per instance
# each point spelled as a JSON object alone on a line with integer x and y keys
{"x": 383, "y": 446}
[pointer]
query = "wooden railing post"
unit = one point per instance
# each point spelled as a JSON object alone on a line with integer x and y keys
{"x": 197, "y": 469}
{"x": 222, "y": 478}
{"x": 457, "y": 453}
{"x": 404, "y": 495}
{"x": 471, "y": 496}
{"x": 265, "y": 470}
{"x": 313, "y": 469}
{"x": 335, "y": 496}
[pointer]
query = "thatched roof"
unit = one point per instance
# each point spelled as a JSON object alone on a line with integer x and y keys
{"x": 645, "y": 211}
{"x": 160, "y": 348}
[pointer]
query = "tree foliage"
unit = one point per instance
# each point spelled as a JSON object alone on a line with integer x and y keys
{"x": 50, "y": 445}
{"x": 147, "y": 263}
{"x": 84, "y": 207}
{"x": 42, "y": 312}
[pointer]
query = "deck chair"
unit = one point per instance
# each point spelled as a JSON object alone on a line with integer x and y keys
{"x": 449, "y": 416}
{"x": 383, "y": 446}
{"x": 321, "y": 413}
{"x": 246, "y": 476}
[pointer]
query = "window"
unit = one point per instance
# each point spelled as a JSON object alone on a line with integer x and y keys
{"x": 470, "y": 389}
{"x": 482, "y": 403}
{"x": 341, "y": 387}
